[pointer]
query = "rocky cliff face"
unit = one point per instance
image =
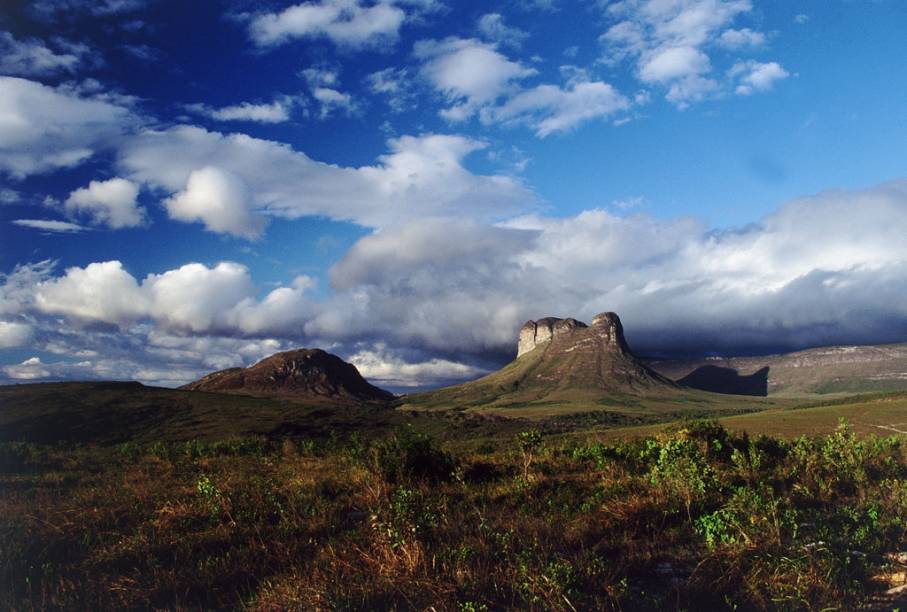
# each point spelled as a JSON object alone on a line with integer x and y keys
{"x": 538, "y": 332}
{"x": 306, "y": 373}
{"x": 606, "y": 325}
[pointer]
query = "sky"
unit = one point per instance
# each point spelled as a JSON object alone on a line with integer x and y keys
{"x": 191, "y": 186}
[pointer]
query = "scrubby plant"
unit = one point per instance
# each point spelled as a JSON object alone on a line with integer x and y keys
{"x": 210, "y": 497}
{"x": 528, "y": 442}
{"x": 750, "y": 516}
{"x": 683, "y": 471}
{"x": 411, "y": 455}
{"x": 406, "y": 516}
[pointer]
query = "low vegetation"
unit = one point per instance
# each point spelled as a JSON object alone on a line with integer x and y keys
{"x": 693, "y": 518}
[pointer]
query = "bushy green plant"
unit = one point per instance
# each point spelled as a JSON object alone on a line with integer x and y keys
{"x": 683, "y": 471}
{"x": 748, "y": 517}
{"x": 596, "y": 453}
{"x": 713, "y": 437}
{"x": 411, "y": 455}
{"x": 210, "y": 496}
{"x": 748, "y": 461}
{"x": 406, "y": 517}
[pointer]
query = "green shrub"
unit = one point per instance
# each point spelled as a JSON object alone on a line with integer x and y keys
{"x": 410, "y": 455}
{"x": 596, "y": 453}
{"x": 407, "y": 517}
{"x": 683, "y": 471}
{"x": 210, "y": 497}
{"x": 715, "y": 439}
{"x": 749, "y": 517}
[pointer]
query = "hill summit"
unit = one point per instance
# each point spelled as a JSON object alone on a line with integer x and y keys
{"x": 560, "y": 360}
{"x": 304, "y": 373}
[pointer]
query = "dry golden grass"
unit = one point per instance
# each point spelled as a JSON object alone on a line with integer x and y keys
{"x": 400, "y": 525}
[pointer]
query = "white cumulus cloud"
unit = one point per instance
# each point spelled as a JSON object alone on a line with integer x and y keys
{"x": 742, "y": 38}
{"x": 383, "y": 367}
{"x": 111, "y": 203}
{"x": 50, "y": 225}
{"x": 430, "y": 299}
{"x": 493, "y": 28}
{"x": 98, "y": 293}
{"x": 195, "y": 297}
{"x": 670, "y": 41}
{"x": 753, "y": 76}
{"x": 220, "y": 200}
{"x": 14, "y": 334}
{"x": 549, "y": 109}
{"x": 30, "y": 369}
{"x": 277, "y": 111}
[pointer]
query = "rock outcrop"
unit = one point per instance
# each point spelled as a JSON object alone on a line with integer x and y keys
{"x": 560, "y": 361}
{"x": 575, "y": 356}
{"x": 304, "y": 373}
{"x": 534, "y": 333}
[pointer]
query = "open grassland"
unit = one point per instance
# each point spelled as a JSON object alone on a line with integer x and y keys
{"x": 695, "y": 518}
{"x": 875, "y": 414}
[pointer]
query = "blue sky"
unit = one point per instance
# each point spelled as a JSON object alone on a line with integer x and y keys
{"x": 192, "y": 186}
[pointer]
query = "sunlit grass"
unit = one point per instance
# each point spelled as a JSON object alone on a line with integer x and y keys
{"x": 696, "y": 518}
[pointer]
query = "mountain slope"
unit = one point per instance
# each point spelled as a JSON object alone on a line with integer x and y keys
{"x": 304, "y": 373}
{"x": 560, "y": 361}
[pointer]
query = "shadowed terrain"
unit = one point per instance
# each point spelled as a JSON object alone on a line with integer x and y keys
{"x": 727, "y": 380}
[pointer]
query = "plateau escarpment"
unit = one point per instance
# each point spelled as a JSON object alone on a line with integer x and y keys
{"x": 832, "y": 369}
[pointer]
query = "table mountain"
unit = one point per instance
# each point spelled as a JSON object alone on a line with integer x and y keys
{"x": 560, "y": 360}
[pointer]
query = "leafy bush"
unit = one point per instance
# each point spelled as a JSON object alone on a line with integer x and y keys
{"x": 713, "y": 437}
{"x": 683, "y": 471}
{"x": 410, "y": 455}
{"x": 407, "y": 517}
{"x": 749, "y": 517}
{"x": 210, "y": 497}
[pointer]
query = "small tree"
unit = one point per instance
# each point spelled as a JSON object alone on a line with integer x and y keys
{"x": 529, "y": 443}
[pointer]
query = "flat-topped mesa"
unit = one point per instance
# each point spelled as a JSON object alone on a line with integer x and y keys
{"x": 605, "y": 325}
{"x": 563, "y": 361}
{"x": 538, "y": 332}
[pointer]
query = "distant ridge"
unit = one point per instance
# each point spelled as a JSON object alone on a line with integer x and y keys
{"x": 306, "y": 373}
{"x": 560, "y": 360}
{"x": 831, "y": 369}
